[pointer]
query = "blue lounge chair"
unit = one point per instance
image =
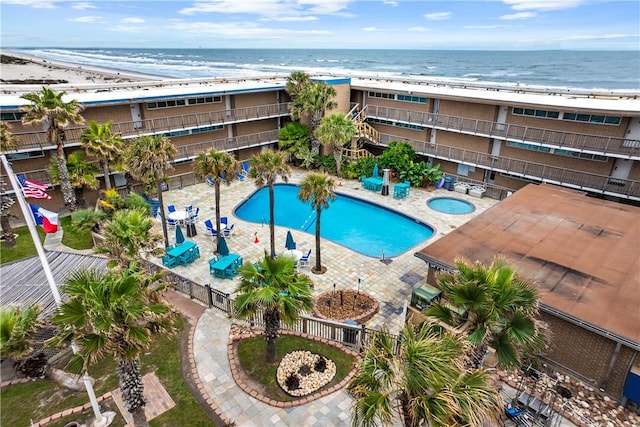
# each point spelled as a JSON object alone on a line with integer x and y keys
{"x": 305, "y": 261}
{"x": 210, "y": 181}
{"x": 245, "y": 168}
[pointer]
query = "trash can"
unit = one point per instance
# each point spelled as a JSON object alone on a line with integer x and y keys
{"x": 449, "y": 182}
{"x": 350, "y": 336}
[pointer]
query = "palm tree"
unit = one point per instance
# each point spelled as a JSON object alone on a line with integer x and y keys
{"x": 312, "y": 99}
{"x": 336, "y": 130}
{"x": 502, "y": 310}
{"x": 112, "y": 314}
{"x": 147, "y": 158}
{"x": 128, "y": 235}
{"x": 219, "y": 166}
{"x": 294, "y": 140}
{"x": 8, "y": 141}
{"x": 296, "y": 81}
{"x": 48, "y": 107}
{"x": 266, "y": 167}
{"x": 424, "y": 379}
{"x": 274, "y": 288}
{"x": 17, "y": 327}
{"x": 98, "y": 140}
{"x": 82, "y": 174}
{"x": 317, "y": 188}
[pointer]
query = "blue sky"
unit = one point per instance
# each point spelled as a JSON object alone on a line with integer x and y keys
{"x": 395, "y": 24}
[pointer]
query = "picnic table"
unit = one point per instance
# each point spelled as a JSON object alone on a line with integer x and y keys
{"x": 372, "y": 183}
{"x": 225, "y": 267}
{"x": 179, "y": 255}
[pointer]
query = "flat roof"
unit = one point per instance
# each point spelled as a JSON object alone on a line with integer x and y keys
{"x": 583, "y": 253}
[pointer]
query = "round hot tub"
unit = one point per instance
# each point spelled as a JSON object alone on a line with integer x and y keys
{"x": 451, "y": 205}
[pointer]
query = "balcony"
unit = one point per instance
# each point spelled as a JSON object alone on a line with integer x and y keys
{"x": 38, "y": 140}
{"x": 584, "y": 181}
{"x": 594, "y": 144}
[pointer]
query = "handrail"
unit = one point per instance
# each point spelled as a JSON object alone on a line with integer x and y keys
{"x": 186, "y": 122}
{"x": 597, "y": 144}
{"x": 603, "y": 184}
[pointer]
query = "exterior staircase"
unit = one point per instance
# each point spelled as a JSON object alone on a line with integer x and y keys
{"x": 364, "y": 132}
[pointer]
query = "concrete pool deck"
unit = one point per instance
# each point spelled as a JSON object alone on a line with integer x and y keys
{"x": 391, "y": 284}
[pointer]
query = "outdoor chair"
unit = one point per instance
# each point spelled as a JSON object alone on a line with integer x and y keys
{"x": 171, "y": 222}
{"x": 171, "y": 208}
{"x": 305, "y": 261}
{"x": 401, "y": 190}
{"x": 169, "y": 261}
{"x": 228, "y": 231}
{"x": 195, "y": 216}
{"x": 210, "y": 181}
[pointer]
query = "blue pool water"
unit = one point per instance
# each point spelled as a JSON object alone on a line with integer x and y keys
{"x": 359, "y": 225}
{"x": 451, "y": 205}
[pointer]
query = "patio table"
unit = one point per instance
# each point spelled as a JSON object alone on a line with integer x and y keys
{"x": 225, "y": 267}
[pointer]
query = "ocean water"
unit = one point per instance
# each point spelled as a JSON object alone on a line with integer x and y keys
{"x": 573, "y": 69}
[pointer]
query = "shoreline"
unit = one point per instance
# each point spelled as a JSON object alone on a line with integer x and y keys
{"x": 20, "y": 68}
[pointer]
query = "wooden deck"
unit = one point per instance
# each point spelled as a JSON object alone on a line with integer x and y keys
{"x": 158, "y": 400}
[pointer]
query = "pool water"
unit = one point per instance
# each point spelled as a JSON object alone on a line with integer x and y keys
{"x": 451, "y": 205}
{"x": 359, "y": 225}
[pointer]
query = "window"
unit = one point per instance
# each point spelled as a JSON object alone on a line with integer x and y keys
{"x": 592, "y": 118}
{"x": 11, "y": 117}
{"x": 382, "y": 95}
{"x": 207, "y": 129}
{"x": 536, "y": 113}
{"x": 587, "y": 156}
{"x": 27, "y": 155}
{"x": 525, "y": 146}
{"x": 170, "y": 103}
{"x": 409, "y": 98}
{"x": 465, "y": 169}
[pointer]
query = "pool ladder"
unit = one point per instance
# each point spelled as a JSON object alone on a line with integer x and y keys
{"x": 309, "y": 221}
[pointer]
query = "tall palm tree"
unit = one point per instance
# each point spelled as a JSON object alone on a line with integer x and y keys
{"x": 275, "y": 289}
{"x": 8, "y": 141}
{"x": 296, "y": 81}
{"x": 147, "y": 158}
{"x": 312, "y": 100}
{"x": 127, "y": 236}
{"x": 98, "y": 140}
{"x": 220, "y": 167}
{"x": 317, "y": 188}
{"x": 48, "y": 107}
{"x": 82, "y": 174}
{"x": 112, "y": 314}
{"x": 266, "y": 167}
{"x": 294, "y": 140}
{"x": 502, "y": 310}
{"x": 336, "y": 130}
{"x": 424, "y": 380}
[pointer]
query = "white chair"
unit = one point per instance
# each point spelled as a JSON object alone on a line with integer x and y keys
{"x": 305, "y": 261}
{"x": 195, "y": 216}
{"x": 228, "y": 231}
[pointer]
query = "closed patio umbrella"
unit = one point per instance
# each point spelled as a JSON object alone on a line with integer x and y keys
{"x": 224, "y": 249}
{"x": 375, "y": 171}
{"x": 179, "y": 235}
{"x": 290, "y": 243}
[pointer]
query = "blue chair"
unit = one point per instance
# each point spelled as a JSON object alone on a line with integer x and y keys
{"x": 172, "y": 222}
{"x": 245, "y": 168}
{"x": 211, "y": 229}
{"x": 304, "y": 261}
{"x": 195, "y": 216}
{"x": 224, "y": 220}
{"x": 169, "y": 261}
{"x": 210, "y": 181}
{"x": 401, "y": 190}
{"x": 228, "y": 231}
{"x": 171, "y": 208}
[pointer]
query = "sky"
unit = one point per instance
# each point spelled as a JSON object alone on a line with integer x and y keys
{"x": 323, "y": 24}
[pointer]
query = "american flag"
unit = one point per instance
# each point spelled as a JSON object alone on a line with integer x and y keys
{"x": 32, "y": 189}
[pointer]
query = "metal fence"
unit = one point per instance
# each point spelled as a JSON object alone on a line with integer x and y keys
{"x": 352, "y": 336}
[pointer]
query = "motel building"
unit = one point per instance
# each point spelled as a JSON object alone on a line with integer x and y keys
{"x": 564, "y": 162}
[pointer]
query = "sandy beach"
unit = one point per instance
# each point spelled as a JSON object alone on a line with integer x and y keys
{"x": 21, "y": 69}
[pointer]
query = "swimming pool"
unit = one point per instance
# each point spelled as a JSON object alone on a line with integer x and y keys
{"x": 451, "y": 205}
{"x": 359, "y": 225}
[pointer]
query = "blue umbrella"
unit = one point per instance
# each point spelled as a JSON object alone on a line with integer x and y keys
{"x": 179, "y": 235}
{"x": 290, "y": 243}
{"x": 375, "y": 171}
{"x": 224, "y": 249}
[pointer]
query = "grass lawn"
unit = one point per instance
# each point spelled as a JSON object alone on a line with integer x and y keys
{"x": 252, "y": 355}
{"x": 24, "y": 245}
{"x": 35, "y": 400}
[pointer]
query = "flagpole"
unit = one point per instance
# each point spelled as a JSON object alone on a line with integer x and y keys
{"x": 28, "y": 216}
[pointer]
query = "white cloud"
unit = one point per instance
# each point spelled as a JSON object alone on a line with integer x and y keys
{"x": 241, "y": 30}
{"x": 485, "y": 27}
{"x": 437, "y": 16}
{"x": 292, "y": 18}
{"x": 390, "y": 2}
{"x": 36, "y": 4}
{"x": 132, "y": 21}
{"x": 85, "y": 19}
{"x": 542, "y": 5}
{"x": 324, "y": 7}
{"x": 129, "y": 28}
{"x": 418, "y": 29}
{"x": 519, "y": 15}
{"x": 371, "y": 29}
{"x": 599, "y": 36}
{"x": 82, "y": 6}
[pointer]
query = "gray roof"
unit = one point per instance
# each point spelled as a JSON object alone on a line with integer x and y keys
{"x": 24, "y": 282}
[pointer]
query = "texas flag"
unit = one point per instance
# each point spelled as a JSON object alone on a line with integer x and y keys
{"x": 47, "y": 219}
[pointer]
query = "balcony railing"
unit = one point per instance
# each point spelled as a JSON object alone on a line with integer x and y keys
{"x": 186, "y": 152}
{"x": 595, "y": 144}
{"x": 38, "y": 140}
{"x": 602, "y": 184}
